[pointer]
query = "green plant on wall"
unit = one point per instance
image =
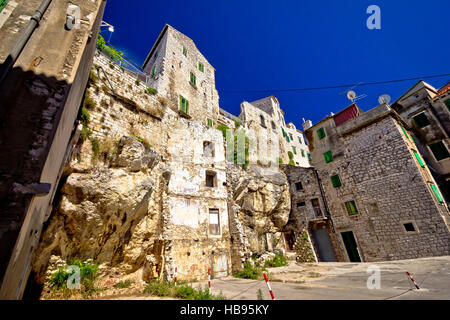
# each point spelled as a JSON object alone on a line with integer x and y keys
{"x": 110, "y": 51}
{"x": 3, "y": 4}
{"x": 304, "y": 251}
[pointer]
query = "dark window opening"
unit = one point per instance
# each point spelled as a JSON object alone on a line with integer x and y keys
{"x": 301, "y": 204}
{"x": 210, "y": 179}
{"x": 316, "y": 206}
{"x": 421, "y": 120}
{"x": 298, "y": 186}
{"x": 263, "y": 122}
{"x": 439, "y": 150}
{"x": 274, "y": 127}
{"x": 409, "y": 227}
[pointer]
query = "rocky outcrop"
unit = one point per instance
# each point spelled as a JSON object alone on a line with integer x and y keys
{"x": 110, "y": 214}
{"x": 259, "y": 207}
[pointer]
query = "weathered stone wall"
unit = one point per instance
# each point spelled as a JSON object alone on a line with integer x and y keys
{"x": 378, "y": 171}
{"x": 173, "y": 72}
{"x": 38, "y": 107}
{"x": 270, "y": 143}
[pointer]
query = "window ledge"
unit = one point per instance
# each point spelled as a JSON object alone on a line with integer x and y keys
{"x": 183, "y": 114}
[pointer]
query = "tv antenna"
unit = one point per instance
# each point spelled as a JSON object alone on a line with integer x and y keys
{"x": 351, "y": 95}
{"x": 384, "y": 99}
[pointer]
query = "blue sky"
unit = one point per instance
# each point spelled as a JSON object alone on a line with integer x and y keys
{"x": 269, "y": 45}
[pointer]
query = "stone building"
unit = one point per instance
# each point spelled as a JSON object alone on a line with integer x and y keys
{"x": 178, "y": 70}
{"x": 383, "y": 201}
{"x": 274, "y": 140}
{"x": 197, "y": 200}
{"x": 426, "y": 110}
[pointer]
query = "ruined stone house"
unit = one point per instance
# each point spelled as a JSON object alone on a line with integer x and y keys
{"x": 426, "y": 110}
{"x": 380, "y": 199}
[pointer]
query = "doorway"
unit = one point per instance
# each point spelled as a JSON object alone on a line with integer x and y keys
{"x": 351, "y": 246}
{"x": 323, "y": 245}
{"x": 289, "y": 237}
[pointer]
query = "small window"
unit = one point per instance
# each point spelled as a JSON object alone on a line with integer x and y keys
{"x": 321, "y": 133}
{"x": 439, "y": 150}
{"x": 209, "y": 122}
{"x": 184, "y": 104}
{"x": 201, "y": 67}
{"x": 421, "y": 120}
{"x": 316, "y": 206}
{"x": 263, "y": 122}
{"x": 185, "y": 51}
{"x": 437, "y": 193}
{"x": 153, "y": 71}
{"x": 409, "y": 227}
{"x": 351, "y": 207}
{"x": 300, "y": 140}
{"x": 193, "y": 79}
{"x": 303, "y": 153}
{"x": 214, "y": 225}
{"x": 447, "y": 103}
{"x": 208, "y": 149}
{"x": 211, "y": 179}
{"x": 290, "y": 136}
{"x": 419, "y": 159}
{"x": 336, "y": 181}
{"x": 274, "y": 127}
{"x": 156, "y": 54}
{"x": 328, "y": 156}
{"x": 309, "y": 156}
{"x": 294, "y": 149}
{"x": 298, "y": 186}
{"x": 300, "y": 204}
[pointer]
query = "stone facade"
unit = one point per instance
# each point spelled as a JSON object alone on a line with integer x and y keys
{"x": 178, "y": 70}
{"x": 376, "y": 188}
{"x": 426, "y": 111}
{"x": 273, "y": 139}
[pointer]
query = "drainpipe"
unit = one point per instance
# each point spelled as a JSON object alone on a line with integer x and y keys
{"x": 23, "y": 40}
{"x": 327, "y": 211}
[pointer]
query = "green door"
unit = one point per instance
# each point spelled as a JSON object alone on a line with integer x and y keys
{"x": 351, "y": 246}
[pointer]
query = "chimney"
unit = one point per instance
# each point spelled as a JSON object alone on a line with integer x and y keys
{"x": 306, "y": 124}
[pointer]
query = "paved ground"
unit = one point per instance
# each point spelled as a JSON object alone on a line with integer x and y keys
{"x": 342, "y": 281}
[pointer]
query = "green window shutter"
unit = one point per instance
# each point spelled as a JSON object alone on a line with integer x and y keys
{"x": 193, "y": 79}
{"x": 328, "y": 156}
{"x": 437, "y": 193}
{"x": 404, "y": 131}
{"x": 200, "y": 67}
{"x": 303, "y": 153}
{"x": 336, "y": 181}
{"x": 185, "y": 51}
{"x": 419, "y": 159}
{"x": 421, "y": 120}
{"x": 287, "y": 138}
{"x": 351, "y": 207}
{"x": 284, "y": 133}
{"x": 309, "y": 156}
{"x": 294, "y": 149}
{"x": 447, "y": 103}
{"x": 321, "y": 133}
{"x": 153, "y": 70}
{"x": 210, "y": 122}
{"x": 439, "y": 150}
{"x": 184, "y": 104}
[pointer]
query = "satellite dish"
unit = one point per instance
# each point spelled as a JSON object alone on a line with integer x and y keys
{"x": 384, "y": 99}
{"x": 351, "y": 95}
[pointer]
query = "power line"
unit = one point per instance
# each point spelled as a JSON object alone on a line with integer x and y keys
{"x": 337, "y": 86}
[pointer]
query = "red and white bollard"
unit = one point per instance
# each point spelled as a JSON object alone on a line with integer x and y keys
{"x": 175, "y": 277}
{"x": 411, "y": 278}
{"x": 209, "y": 280}
{"x": 268, "y": 286}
